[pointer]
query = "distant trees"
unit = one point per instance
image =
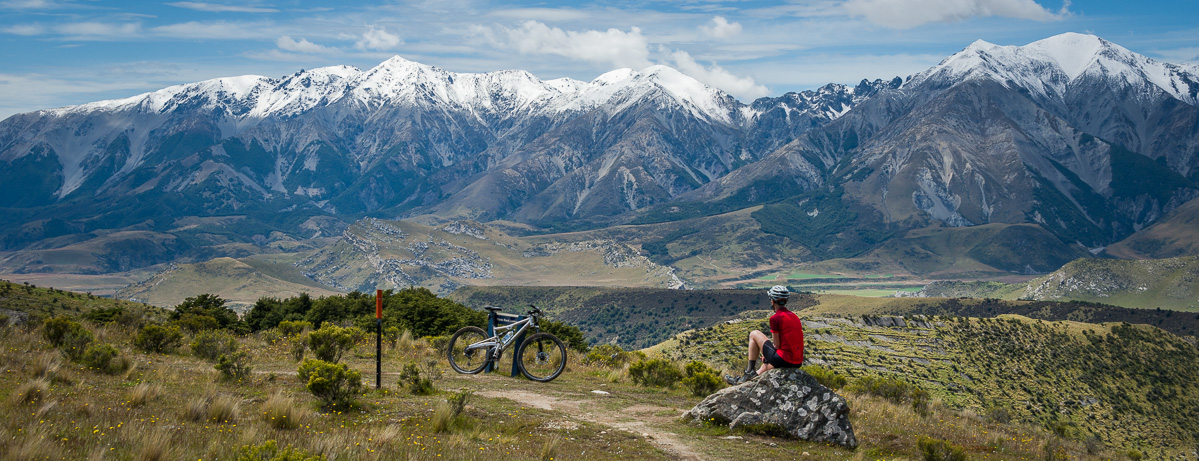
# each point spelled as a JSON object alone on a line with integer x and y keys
{"x": 417, "y": 310}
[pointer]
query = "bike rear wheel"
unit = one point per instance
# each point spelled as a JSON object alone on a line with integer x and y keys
{"x": 541, "y": 357}
{"x": 463, "y": 360}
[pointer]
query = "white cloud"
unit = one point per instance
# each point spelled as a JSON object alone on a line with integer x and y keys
{"x": 219, "y": 30}
{"x": 218, "y": 8}
{"x": 906, "y": 14}
{"x": 716, "y": 76}
{"x": 31, "y": 4}
{"x": 613, "y": 46}
{"x": 25, "y": 29}
{"x": 378, "y": 39}
{"x": 300, "y": 46}
{"x": 99, "y": 30}
{"x": 721, "y": 28}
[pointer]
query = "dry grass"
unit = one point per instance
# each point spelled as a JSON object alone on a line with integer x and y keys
{"x": 142, "y": 393}
{"x": 31, "y": 392}
{"x": 279, "y": 411}
{"x": 549, "y": 450}
{"x": 223, "y": 409}
{"x": 36, "y": 445}
{"x": 154, "y": 445}
{"x": 46, "y": 365}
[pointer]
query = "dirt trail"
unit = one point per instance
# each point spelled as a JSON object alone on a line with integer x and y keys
{"x": 637, "y": 419}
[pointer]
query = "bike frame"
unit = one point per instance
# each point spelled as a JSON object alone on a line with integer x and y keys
{"x": 497, "y": 340}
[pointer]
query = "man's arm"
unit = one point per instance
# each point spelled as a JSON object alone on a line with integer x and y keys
{"x": 774, "y": 339}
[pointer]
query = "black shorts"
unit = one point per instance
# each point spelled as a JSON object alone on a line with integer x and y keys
{"x": 771, "y": 355}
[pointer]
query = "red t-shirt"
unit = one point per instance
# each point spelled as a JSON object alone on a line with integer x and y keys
{"x": 790, "y": 331}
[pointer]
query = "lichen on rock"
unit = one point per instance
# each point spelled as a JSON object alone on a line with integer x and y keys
{"x": 784, "y": 402}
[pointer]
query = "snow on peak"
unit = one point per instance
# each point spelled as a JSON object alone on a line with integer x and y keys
{"x": 1048, "y": 66}
{"x": 624, "y": 86}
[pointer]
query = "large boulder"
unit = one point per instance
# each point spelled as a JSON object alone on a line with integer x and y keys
{"x": 786, "y": 401}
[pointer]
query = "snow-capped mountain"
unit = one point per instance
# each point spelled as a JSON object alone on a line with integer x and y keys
{"x": 1078, "y": 135}
{"x": 1074, "y": 133}
{"x": 402, "y": 136}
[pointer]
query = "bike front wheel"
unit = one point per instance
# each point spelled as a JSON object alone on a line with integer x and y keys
{"x": 541, "y": 357}
{"x": 463, "y": 360}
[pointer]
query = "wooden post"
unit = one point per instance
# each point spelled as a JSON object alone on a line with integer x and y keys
{"x": 378, "y": 339}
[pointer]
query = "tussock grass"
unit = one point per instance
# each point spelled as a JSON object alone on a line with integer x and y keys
{"x": 549, "y": 450}
{"x": 31, "y": 392}
{"x": 143, "y": 393}
{"x": 46, "y": 365}
{"x": 223, "y": 409}
{"x": 153, "y": 445}
{"x": 279, "y": 411}
{"x": 35, "y": 445}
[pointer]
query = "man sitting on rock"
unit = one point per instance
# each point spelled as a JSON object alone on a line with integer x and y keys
{"x": 786, "y": 331}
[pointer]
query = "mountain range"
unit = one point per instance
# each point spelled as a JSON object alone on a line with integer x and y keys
{"x": 1078, "y": 137}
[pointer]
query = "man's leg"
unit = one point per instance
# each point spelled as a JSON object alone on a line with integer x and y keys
{"x": 756, "y": 339}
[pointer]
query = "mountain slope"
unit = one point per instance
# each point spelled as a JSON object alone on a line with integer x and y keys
{"x": 1006, "y": 135}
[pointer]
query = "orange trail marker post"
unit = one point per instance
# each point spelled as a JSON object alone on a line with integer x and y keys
{"x": 378, "y": 339}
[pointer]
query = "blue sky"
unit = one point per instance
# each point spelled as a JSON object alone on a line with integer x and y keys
{"x": 63, "y": 52}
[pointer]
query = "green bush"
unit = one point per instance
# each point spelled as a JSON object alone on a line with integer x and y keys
{"x": 270, "y": 451}
{"x": 939, "y": 450}
{"x": 210, "y": 306}
{"x": 829, "y": 378}
{"x": 701, "y": 380}
{"x": 158, "y": 338}
{"x": 63, "y": 332}
{"x": 607, "y": 355}
{"x": 299, "y": 345}
{"x": 892, "y": 389}
{"x": 104, "y": 315}
{"x": 234, "y": 367}
{"x": 196, "y": 322}
{"x": 416, "y": 382}
{"x": 104, "y": 358}
{"x": 333, "y": 384}
{"x": 655, "y": 373}
{"x": 330, "y": 342}
{"x": 294, "y": 327}
{"x": 569, "y": 334}
{"x": 212, "y": 344}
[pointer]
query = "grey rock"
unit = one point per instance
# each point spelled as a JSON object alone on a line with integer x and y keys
{"x": 789, "y": 400}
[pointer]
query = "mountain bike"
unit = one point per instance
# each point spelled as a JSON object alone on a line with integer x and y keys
{"x": 540, "y": 357}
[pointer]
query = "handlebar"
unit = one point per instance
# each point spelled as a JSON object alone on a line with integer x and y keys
{"x": 536, "y": 311}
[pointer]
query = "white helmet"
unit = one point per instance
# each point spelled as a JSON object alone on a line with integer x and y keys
{"x": 778, "y": 292}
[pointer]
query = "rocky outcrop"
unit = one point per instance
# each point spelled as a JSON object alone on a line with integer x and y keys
{"x": 781, "y": 401}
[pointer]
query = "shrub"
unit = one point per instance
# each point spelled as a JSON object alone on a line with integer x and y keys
{"x": 607, "y": 355}
{"x": 104, "y": 358}
{"x": 212, "y": 344}
{"x": 417, "y": 383}
{"x": 294, "y": 327}
{"x": 655, "y": 373}
{"x": 829, "y": 378}
{"x": 892, "y": 389}
{"x": 271, "y": 336}
{"x": 569, "y": 334}
{"x": 207, "y": 305}
{"x": 332, "y": 384}
{"x": 392, "y": 334}
{"x": 270, "y": 451}
{"x": 104, "y": 315}
{"x": 939, "y": 450}
{"x": 701, "y": 380}
{"x": 234, "y": 366}
{"x": 299, "y": 345}
{"x": 330, "y": 342}
{"x": 158, "y": 338}
{"x": 71, "y": 336}
{"x": 197, "y": 322}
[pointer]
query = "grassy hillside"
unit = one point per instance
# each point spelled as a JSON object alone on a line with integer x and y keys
{"x": 1158, "y": 283}
{"x": 174, "y": 405}
{"x": 1125, "y": 386}
{"x": 241, "y": 284}
{"x": 1168, "y": 238}
{"x": 632, "y": 318}
{"x": 21, "y": 302}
